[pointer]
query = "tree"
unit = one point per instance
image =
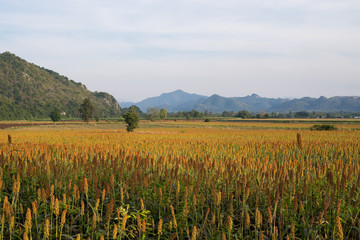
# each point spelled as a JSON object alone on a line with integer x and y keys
{"x": 302, "y": 114}
{"x": 163, "y": 113}
{"x": 262, "y": 114}
{"x": 196, "y": 114}
{"x": 291, "y": 114}
{"x": 55, "y": 115}
{"x": 244, "y": 114}
{"x": 153, "y": 113}
{"x": 274, "y": 114}
{"x": 227, "y": 114}
{"x": 314, "y": 114}
{"x": 131, "y": 119}
{"x": 86, "y": 110}
{"x": 137, "y": 110}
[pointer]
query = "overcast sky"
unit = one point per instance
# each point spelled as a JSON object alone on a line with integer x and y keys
{"x": 136, "y": 49}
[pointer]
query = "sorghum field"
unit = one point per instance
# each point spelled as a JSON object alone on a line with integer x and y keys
{"x": 180, "y": 180}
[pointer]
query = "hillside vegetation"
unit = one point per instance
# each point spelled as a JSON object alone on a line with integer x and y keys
{"x": 28, "y": 91}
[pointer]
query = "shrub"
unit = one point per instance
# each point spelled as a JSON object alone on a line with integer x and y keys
{"x": 323, "y": 127}
{"x": 55, "y": 115}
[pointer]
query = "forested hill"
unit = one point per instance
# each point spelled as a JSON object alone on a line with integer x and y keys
{"x": 28, "y": 91}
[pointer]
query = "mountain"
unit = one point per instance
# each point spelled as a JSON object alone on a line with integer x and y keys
{"x": 28, "y": 91}
{"x": 322, "y": 104}
{"x": 182, "y": 101}
{"x": 170, "y": 101}
{"x": 256, "y": 103}
{"x": 214, "y": 103}
{"x": 217, "y": 104}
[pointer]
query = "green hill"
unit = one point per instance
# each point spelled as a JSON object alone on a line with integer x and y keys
{"x": 28, "y": 91}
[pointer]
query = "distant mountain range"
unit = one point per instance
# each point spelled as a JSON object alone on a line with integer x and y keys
{"x": 28, "y": 91}
{"x": 182, "y": 101}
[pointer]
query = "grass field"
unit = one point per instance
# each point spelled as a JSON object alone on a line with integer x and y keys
{"x": 180, "y": 180}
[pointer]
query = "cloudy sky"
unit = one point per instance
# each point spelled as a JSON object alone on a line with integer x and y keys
{"x": 135, "y": 49}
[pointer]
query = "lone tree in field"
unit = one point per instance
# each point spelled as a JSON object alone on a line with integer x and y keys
{"x": 163, "y": 113}
{"x": 55, "y": 115}
{"x": 131, "y": 119}
{"x": 86, "y": 110}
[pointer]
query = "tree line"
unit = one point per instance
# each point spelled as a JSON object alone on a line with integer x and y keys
{"x": 86, "y": 111}
{"x": 133, "y": 114}
{"x": 158, "y": 114}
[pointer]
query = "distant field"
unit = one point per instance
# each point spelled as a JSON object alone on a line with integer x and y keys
{"x": 180, "y": 180}
{"x": 297, "y": 124}
{"x": 214, "y": 123}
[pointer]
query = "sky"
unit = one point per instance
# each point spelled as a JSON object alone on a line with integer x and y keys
{"x": 134, "y": 49}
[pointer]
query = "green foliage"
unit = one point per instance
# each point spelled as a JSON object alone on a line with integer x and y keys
{"x": 244, "y": 114}
{"x": 163, "y": 113}
{"x": 323, "y": 127}
{"x": 302, "y": 114}
{"x": 196, "y": 114}
{"x": 55, "y": 115}
{"x": 131, "y": 119}
{"x": 86, "y": 110}
{"x": 137, "y": 110}
{"x": 97, "y": 118}
{"x": 153, "y": 113}
{"x": 227, "y": 114}
{"x": 207, "y": 120}
{"x": 28, "y": 91}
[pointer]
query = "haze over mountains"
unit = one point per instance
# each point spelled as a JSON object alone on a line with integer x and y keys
{"x": 182, "y": 101}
